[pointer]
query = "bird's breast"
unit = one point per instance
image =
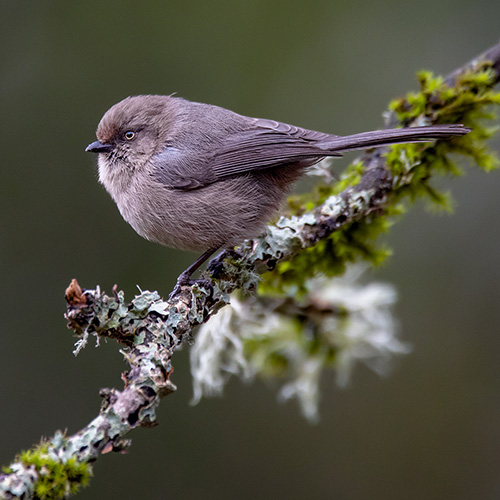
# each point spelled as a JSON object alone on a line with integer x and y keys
{"x": 218, "y": 215}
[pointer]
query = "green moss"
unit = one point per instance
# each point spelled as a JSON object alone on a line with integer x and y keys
{"x": 57, "y": 479}
{"x": 413, "y": 166}
{"x": 470, "y": 102}
{"x": 357, "y": 240}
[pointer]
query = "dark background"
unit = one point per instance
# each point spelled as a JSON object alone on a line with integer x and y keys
{"x": 431, "y": 430}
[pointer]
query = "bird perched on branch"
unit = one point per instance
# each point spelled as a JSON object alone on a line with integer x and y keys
{"x": 200, "y": 177}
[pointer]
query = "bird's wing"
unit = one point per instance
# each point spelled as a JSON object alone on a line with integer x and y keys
{"x": 266, "y": 144}
{"x": 263, "y": 144}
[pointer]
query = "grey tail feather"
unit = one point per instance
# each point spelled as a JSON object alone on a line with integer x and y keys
{"x": 392, "y": 136}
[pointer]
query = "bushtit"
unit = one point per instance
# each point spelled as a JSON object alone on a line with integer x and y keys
{"x": 199, "y": 177}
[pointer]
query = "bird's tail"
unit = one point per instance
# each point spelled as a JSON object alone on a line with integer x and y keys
{"x": 378, "y": 138}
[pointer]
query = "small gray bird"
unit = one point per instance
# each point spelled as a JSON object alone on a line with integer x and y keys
{"x": 199, "y": 177}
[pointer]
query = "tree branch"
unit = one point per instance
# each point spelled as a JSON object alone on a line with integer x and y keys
{"x": 150, "y": 329}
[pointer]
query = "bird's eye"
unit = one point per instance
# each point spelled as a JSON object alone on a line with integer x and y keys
{"x": 129, "y": 135}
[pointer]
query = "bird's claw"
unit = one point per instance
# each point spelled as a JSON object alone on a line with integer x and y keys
{"x": 183, "y": 280}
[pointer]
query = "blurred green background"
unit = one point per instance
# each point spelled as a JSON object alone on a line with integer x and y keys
{"x": 431, "y": 430}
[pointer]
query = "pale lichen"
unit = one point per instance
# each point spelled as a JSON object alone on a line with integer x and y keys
{"x": 338, "y": 323}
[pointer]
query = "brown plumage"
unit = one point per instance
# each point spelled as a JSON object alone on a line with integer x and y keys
{"x": 199, "y": 177}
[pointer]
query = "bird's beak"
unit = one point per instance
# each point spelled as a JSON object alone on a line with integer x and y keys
{"x": 99, "y": 147}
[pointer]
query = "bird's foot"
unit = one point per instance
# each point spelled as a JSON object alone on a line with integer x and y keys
{"x": 184, "y": 280}
{"x": 216, "y": 265}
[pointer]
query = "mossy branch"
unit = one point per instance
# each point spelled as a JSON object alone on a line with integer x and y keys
{"x": 324, "y": 231}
